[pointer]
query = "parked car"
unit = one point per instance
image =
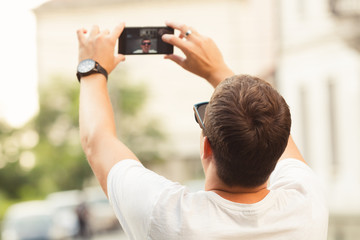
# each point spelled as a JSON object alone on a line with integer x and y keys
{"x": 101, "y": 214}
{"x": 90, "y": 210}
{"x": 66, "y": 204}
{"x": 33, "y": 220}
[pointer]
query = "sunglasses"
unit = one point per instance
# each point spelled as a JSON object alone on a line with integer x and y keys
{"x": 146, "y": 43}
{"x": 199, "y": 111}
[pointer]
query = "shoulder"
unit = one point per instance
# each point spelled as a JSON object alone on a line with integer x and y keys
{"x": 124, "y": 168}
{"x": 129, "y": 173}
{"x": 133, "y": 192}
{"x": 296, "y": 184}
{"x": 292, "y": 175}
{"x": 292, "y": 170}
{"x": 179, "y": 212}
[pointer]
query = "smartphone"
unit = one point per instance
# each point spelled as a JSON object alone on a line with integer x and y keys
{"x": 145, "y": 40}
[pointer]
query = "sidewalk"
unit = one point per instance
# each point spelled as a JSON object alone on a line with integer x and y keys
{"x": 118, "y": 235}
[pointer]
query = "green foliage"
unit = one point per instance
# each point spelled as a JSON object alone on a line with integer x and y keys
{"x": 46, "y": 156}
{"x": 58, "y": 151}
{"x": 141, "y": 133}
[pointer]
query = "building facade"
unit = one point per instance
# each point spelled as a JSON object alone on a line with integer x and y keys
{"x": 309, "y": 47}
{"x": 243, "y": 30}
{"x": 319, "y": 75}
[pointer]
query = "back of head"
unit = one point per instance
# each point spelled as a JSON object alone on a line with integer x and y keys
{"x": 248, "y": 125}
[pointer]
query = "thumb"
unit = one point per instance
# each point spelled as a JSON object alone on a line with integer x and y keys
{"x": 119, "y": 58}
{"x": 175, "y": 58}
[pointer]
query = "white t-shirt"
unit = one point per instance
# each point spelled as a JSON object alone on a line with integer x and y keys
{"x": 141, "y": 51}
{"x": 150, "y": 206}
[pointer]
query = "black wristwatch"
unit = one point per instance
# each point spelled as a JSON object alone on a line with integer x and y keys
{"x": 87, "y": 67}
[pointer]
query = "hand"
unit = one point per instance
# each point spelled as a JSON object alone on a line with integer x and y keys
{"x": 203, "y": 57}
{"x": 100, "y": 45}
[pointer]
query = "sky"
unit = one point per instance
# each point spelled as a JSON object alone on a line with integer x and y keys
{"x": 18, "y": 81}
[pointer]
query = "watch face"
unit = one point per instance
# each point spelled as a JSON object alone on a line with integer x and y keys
{"x": 86, "y": 65}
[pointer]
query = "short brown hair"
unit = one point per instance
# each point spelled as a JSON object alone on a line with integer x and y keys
{"x": 248, "y": 125}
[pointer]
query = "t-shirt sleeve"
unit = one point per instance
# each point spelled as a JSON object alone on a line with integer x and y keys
{"x": 294, "y": 177}
{"x": 133, "y": 192}
{"x": 293, "y": 174}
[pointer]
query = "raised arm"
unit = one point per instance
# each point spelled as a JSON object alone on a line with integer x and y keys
{"x": 292, "y": 151}
{"x": 96, "y": 118}
{"x": 203, "y": 58}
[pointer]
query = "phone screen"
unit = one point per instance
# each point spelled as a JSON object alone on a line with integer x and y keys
{"x": 144, "y": 40}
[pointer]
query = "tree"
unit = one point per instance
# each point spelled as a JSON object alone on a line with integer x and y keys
{"x": 46, "y": 156}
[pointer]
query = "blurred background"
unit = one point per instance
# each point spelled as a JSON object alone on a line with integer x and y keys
{"x": 308, "y": 49}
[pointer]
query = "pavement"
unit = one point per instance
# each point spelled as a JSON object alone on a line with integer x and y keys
{"x": 110, "y": 235}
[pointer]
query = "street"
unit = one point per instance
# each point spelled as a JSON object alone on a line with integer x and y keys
{"x": 109, "y": 235}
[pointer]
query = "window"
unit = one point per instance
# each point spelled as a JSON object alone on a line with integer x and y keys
{"x": 332, "y": 126}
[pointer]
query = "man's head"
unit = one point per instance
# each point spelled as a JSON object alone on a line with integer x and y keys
{"x": 145, "y": 44}
{"x": 247, "y": 123}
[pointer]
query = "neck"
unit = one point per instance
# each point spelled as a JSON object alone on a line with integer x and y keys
{"x": 234, "y": 193}
{"x": 242, "y": 195}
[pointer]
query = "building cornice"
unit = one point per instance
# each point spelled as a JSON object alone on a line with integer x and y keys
{"x": 58, "y": 5}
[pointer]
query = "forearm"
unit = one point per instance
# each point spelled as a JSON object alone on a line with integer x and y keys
{"x": 292, "y": 151}
{"x": 96, "y": 117}
{"x": 219, "y": 75}
{"x": 95, "y": 113}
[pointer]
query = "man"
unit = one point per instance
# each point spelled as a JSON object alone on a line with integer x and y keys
{"x": 245, "y": 135}
{"x": 145, "y": 46}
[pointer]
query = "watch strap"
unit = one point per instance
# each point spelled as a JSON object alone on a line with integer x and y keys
{"x": 97, "y": 69}
{"x": 101, "y": 70}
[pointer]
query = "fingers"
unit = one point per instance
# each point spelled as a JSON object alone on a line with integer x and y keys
{"x": 115, "y": 34}
{"x": 181, "y": 27}
{"x": 190, "y": 34}
{"x": 186, "y": 32}
{"x": 176, "y": 26}
{"x": 81, "y": 34}
{"x": 94, "y": 31}
{"x": 99, "y": 45}
{"x": 177, "y": 59}
{"x": 105, "y": 32}
{"x": 119, "y": 58}
{"x": 173, "y": 40}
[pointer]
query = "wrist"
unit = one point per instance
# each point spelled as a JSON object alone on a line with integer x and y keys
{"x": 220, "y": 75}
{"x": 89, "y": 67}
{"x": 98, "y": 77}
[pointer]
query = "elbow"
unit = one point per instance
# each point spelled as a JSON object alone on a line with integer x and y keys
{"x": 93, "y": 145}
{"x": 87, "y": 143}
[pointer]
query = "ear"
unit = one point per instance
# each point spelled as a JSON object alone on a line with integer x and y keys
{"x": 207, "y": 153}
